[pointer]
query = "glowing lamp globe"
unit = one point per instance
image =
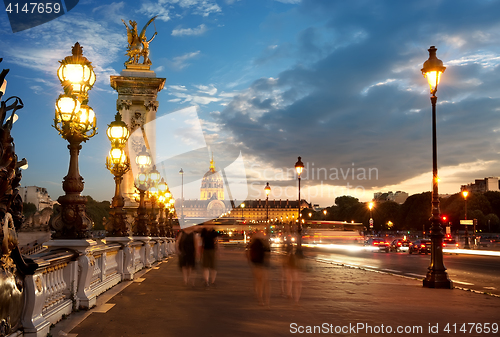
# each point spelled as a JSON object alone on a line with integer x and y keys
{"x": 76, "y": 72}
{"x": 433, "y": 69}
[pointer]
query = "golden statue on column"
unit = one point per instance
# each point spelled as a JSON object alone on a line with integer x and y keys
{"x": 138, "y": 44}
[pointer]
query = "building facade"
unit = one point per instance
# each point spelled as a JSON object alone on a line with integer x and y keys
{"x": 482, "y": 185}
{"x": 276, "y": 210}
{"x": 37, "y": 196}
{"x": 212, "y": 185}
{"x": 211, "y": 203}
{"x": 398, "y": 197}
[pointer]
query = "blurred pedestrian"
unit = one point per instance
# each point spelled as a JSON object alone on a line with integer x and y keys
{"x": 186, "y": 247}
{"x": 209, "y": 255}
{"x": 293, "y": 264}
{"x": 258, "y": 254}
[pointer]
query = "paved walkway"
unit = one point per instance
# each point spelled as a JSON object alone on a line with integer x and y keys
{"x": 158, "y": 304}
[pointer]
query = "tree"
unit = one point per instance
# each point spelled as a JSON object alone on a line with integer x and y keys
{"x": 492, "y": 223}
{"x": 416, "y": 211}
{"x": 97, "y": 211}
{"x": 385, "y": 212}
{"x": 29, "y": 209}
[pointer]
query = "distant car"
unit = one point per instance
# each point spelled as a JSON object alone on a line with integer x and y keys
{"x": 420, "y": 247}
{"x": 384, "y": 246}
{"x": 450, "y": 244}
{"x": 373, "y": 243}
{"x": 399, "y": 245}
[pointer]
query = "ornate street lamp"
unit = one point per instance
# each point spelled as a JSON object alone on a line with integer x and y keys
{"x": 153, "y": 199}
{"x": 436, "y": 276}
{"x": 466, "y": 245}
{"x": 118, "y": 132}
{"x": 143, "y": 160}
{"x": 299, "y": 167}
{"x": 162, "y": 199}
{"x": 75, "y": 121}
{"x": 370, "y": 206}
{"x": 181, "y": 172}
{"x": 76, "y": 73}
{"x": 118, "y": 164}
{"x": 268, "y": 190}
{"x": 153, "y": 180}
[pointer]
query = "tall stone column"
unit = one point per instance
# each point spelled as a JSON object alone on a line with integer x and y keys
{"x": 137, "y": 88}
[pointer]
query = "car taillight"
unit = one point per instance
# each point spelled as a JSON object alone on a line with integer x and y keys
{"x": 399, "y": 243}
{"x": 456, "y": 244}
{"x": 423, "y": 246}
{"x": 444, "y": 244}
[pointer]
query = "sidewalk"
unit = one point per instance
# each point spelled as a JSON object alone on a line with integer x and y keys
{"x": 333, "y": 297}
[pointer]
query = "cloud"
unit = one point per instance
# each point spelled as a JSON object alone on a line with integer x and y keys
{"x": 201, "y": 29}
{"x": 181, "y": 62}
{"x": 294, "y": 2}
{"x": 359, "y": 99}
{"x": 207, "y": 89}
{"x": 200, "y": 95}
{"x": 112, "y": 12}
{"x": 101, "y": 44}
{"x": 163, "y": 8}
{"x": 151, "y": 9}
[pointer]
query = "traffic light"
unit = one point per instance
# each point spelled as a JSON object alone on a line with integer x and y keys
{"x": 444, "y": 218}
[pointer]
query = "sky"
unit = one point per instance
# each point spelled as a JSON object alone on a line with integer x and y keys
{"x": 335, "y": 82}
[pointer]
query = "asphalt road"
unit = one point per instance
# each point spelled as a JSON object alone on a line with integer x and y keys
{"x": 481, "y": 273}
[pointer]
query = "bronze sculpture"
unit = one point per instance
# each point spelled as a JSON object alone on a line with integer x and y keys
{"x": 138, "y": 44}
{"x": 12, "y": 266}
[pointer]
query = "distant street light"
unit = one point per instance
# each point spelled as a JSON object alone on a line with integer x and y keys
{"x": 268, "y": 190}
{"x": 466, "y": 245}
{"x": 143, "y": 161}
{"x": 242, "y": 206}
{"x": 299, "y": 167}
{"x": 182, "y": 194}
{"x": 370, "y": 206}
{"x": 118, "y": 164}
{"x": 436, "y": 276}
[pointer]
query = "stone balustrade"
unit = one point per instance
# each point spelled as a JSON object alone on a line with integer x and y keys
{"x": 72, "y": 273}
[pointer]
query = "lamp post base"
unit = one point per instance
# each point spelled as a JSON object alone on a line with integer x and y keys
{"x": 72, "y": 222}
{"x": 438, "y": 280}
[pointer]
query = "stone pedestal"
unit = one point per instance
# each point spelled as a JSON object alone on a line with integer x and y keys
{"x": 137, "y": 88}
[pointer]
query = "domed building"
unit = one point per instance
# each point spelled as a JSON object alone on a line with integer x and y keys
{"x": 211, "y": 203}
{"x": 212, "y": 185}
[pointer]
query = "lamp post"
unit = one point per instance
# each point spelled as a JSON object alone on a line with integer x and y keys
{"x": 324, "y": 213}
{"x": 370, "y": 206}
{"x": 153, "y": 179}
{"x": 143, "y": 161}
{"x": 118, "y": 164}
{"x": 182, "y": 194}
{"x": 242, "y": 206}
{"x": 162, "y": 199}
{"x": 466, "y": 245}
{"x": 436, "y": 277}
{"x": 299, "y": 167}
{"x": 267, "y": 189}
{"x": 75, "y": 121}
